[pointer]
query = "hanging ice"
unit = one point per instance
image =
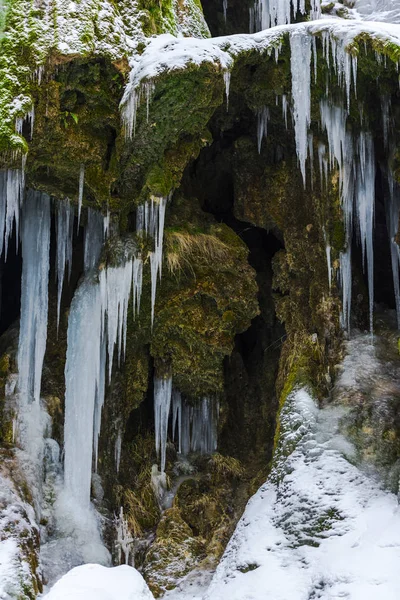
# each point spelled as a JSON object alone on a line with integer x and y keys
{"x": 150, "y": 218}
{"x": 94, "y": 237}
{"x": 64, "y": 228}
{"x": 83, "y": 372}
{"x": 137, "y": 281}
{"x": 35, "y": 237}
{"x": 199, "y": 427}
{"x": 116, "y": 284}
{"x": 80, "y": 191}
{"x": 130, "y": 104}
{"x": 11, "y": 190}
{"x": 262, "y": 126}
{"x": 162, "y": 403}
{"x": 97, "y": 324}
{"x": 227, "y": 81}
{"x": 365, "y": 207}
{"x": 225, "y": 8}
{"x": 300, "y": 64}
{"x": 268, "y": 13}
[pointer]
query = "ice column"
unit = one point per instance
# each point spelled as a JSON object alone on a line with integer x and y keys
{"x": 268, "y": 13}
{"x": 150, "y": 219}
{"x": 83, "y": 381}
{"x": 300, "y": 64}
{"x": 162, "y": 403}
{"x": 64, "y": 227}
{"x": 34, "y": 294}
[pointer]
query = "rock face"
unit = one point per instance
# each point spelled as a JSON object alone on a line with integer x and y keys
{"x": 223, "y": 212}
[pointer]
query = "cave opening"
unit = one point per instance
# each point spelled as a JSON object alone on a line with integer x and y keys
{"x": 250, "y": 371}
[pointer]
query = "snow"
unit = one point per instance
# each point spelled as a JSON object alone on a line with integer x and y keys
{"x": 319, "y": 527}
{"x": 94, "y": 582}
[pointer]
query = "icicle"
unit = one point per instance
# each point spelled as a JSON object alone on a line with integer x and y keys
{"x": 137, "y": 281}
{"x": 225, "y": 8}
{"x": 328, "y": 259}
{"x": 284, "y": 109}
{"x": 162, "y": 402}
{"x": 346, "y": 285}
{"x": 64, "y": 228}
{"x": 117, "y": 450}
{"x": 177, "y": 418}
{"x": 227, "y": 81}
{"x": 80, "y": 191}
{"x": 365, "y": 206}
{"x": 323, "y": 165}
{"x": 262, "y": 126}
{"x": 94, "y": 237}
{"x": 300, "y": 61}
{"x": 106, "y": 223}
{"x": 34, "y": 294}
{"x": 82, "y": 382}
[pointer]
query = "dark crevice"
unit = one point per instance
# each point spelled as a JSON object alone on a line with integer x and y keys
{"x": 10, "y": 285}
{"x": 250, "y": 372}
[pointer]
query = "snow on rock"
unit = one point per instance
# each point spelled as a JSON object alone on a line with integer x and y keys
{"x": 319, "y": 527}
{"x": 94, "y": 582}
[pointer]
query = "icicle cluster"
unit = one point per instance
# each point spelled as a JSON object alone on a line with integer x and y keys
{"x": 196, "y": 424}
{"x": 268, "y": 13}
{"x": 150, "y": 219}
{"x": 124, "y": 541}
{"x": 354, "y": 156}
{"x": 131, "y": 103}
{"x": 11, "y": 191}
{"x": 162, "y": 404}
{"x": 35, "y": 237}
{"x": 193, "y": 426}
{"x": 97, "y": 327}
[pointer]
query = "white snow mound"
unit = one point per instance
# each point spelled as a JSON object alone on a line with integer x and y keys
{"x": 94, "y": 582}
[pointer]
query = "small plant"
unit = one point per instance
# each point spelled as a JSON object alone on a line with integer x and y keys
{"x": 68, "y": 117}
